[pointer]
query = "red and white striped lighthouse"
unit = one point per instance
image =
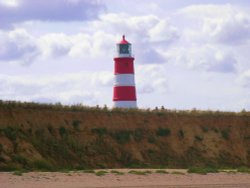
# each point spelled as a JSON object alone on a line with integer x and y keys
{"x": 124, "y": 95}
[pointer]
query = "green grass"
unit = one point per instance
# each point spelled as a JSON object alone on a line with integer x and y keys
{"x": 198, "y": 138}
{"x": 122, "y": 136}
{"x": 76, "y": 124}
{"x": 88, "y": 171}
{"x": 161, "y": 172}
{"x": 101, "y": 173}
{"x": 17, "y": 173}
{"x": 42, "y": 165}
{"x": 225, "y": 134}
{"x": 117, "y": 172}
{"x": 177, "y": 173}
{"x": 203, "y": 171}
{"x": 163, "y": 132}
{"x": 244, "y": 170}
{"x": 99, "y": 131}
{"x": 139, "y": 172}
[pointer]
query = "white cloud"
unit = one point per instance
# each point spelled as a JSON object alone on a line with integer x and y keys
{"x": 18, "y": 45}
{"x": 244, "y": 79}
{"x": 151, "y": 79}
{"x": 14, "y": 11}
{"x": 83, "y": 87}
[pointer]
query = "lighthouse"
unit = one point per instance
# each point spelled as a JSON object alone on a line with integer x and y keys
{"x": 124, "y": 92}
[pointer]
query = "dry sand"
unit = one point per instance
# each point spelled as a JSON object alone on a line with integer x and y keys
{"x": 154, "y": 180}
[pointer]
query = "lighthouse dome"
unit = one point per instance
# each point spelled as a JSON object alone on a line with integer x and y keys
{"x": 123, "y": 41}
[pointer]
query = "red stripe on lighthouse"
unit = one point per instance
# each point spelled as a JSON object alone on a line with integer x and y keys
{"x": 124, "y": 65}
{"x": 124, "y": 93}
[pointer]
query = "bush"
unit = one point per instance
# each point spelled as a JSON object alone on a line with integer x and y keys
{"x": 1, "y": 148}
{"x": 244, "y": 170}
{"x": 42, "y": 165}
{"x": 204, "y": 129}
{"x": 178, "y": 173}
{"x": 139, "y": 172}
{"x": 18, "y": 173}
{"x": 19, "y": 159}
{"x": 181, "y": 134}
{"x": 62, "y": 131}
{"x": 99, "y": 131}
{"x": 138, "y": 134}
{"x": 163, "y": 132}
{"x": 161, "y": 172}
{"x": 151, "y": 139}
{"x": 11, "y": 133}
{"x": 225, "y": 134}
{"x": 198, "y": 138}
{"x": 76, "y": 124}
{"x": 122, "y": 136}
{"x": 50, "y": 129}
{"x": 117, "y": 172}
{"x": 89, "y": 171}
{"x": 101, "y": 173}
{"x": 203, "y": 171}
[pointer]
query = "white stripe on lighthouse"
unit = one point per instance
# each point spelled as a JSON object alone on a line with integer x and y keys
{"x": 125, "y": 104}
{"x": 124, "y": 80}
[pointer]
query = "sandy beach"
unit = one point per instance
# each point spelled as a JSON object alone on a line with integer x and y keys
{"x": 155, "y": 180}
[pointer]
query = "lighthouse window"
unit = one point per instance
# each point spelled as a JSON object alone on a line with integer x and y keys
{"x": 124, "y": 49}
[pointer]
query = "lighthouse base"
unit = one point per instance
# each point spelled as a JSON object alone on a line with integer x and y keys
{"x": 125, "y": 104}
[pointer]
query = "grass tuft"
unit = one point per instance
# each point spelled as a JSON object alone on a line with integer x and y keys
{"x": 244, "y": 170}
{"x": 139, "y": 172}
{"x": 88, "y": 171}
{"x": 177, "y": 173}
{"x": 161, "y": 172}
{"x": 101, "y": 173}
{"x": 203, "y": 171}
{"x": 117, "y": 172}
{"x": 18, "y": 173}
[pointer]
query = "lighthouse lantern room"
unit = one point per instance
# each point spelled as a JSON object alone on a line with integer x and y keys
{"x": 124, "y": 93}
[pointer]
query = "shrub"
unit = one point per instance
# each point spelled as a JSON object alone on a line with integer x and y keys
{"x": 62, "y": 131}
{"x": 151, "y": 139}
{"x": 117, "y": 172}
{"x": 101, "y": 173}
{"x": 163, "y": 132}
{"x": 244, "y": 170}
{"x": 198, "y": 138}
{"x": 19, "y": 159}
{"x": 99, "y": 131}
{"x": 181, "y": 134}
{"x": 76, "y": 124}
{"x": 11, "y": 133}
{"x": 139, "y": 172}
{"x": 1, "y": 148}
{"x": 204, "y": 129}
{"x": 18, "y": 173}
{"x": 178, "y": 173}
{"x": 42, "y": 165}
{"x": 50, "y": 129}
{"x": 203, "y": 171}
{"x": 138, "y": 134}
{"x": 225, "y": 134}
{"x": 122, "y": 136}
{"x": 88, "y": 171}
{"x": 161, "y": 172}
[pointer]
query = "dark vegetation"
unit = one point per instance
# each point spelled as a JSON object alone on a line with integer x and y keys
{"x": 49, "y": 137}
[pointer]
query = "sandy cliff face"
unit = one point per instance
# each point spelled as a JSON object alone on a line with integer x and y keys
{"x": 38, "y": 137}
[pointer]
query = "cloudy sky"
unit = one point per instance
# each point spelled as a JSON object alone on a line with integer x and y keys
{"x": 188, "y": 54}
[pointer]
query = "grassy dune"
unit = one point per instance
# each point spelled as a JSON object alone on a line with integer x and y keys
{"x": 52, "y": 137}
